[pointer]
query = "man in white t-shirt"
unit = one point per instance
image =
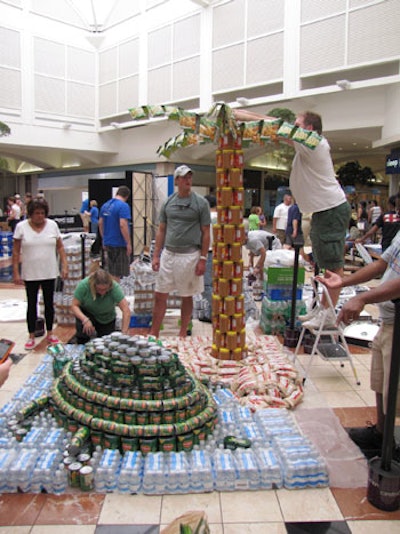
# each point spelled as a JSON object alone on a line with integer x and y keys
{"x": 257, "y": 243}
{"x": 280, "y": 217}
{"x": 314, "y": 185}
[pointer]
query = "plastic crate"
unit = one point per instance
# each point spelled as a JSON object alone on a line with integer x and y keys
{"x": 140, "y": 321}
{"x": 282, "y": 293}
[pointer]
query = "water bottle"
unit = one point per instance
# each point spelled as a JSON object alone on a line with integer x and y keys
{"x": 60, "y": 481}
{"x": 177, "y": 473}
{"x": 224, "y": 470}
{"x": 269, "y": 468}
{"x": 200, "y": 466}
{"x": 130, "y": 475}
{"x": 154, "y": 473}
{"x": 248, "y": 476}
{"x": 6, "y": 458}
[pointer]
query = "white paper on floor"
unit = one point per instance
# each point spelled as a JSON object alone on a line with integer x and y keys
{"x": 347, "y": 466}
{"x": 12, "y": 310}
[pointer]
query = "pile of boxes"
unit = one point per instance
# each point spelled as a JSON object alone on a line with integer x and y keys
{"x": 276, "y": 307}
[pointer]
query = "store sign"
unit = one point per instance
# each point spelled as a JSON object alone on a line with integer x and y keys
{"x": 393, "y": 163}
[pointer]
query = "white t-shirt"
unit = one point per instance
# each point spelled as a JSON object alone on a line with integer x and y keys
{"x": 38, "y": 250}
{"x": 258, "y": 239}
{"x": 281, "y": 213}
{"x": 312, "y": 181}
{"x": 16, "y": 210}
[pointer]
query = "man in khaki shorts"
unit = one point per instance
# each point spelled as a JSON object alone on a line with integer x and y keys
{"x": 181, "y": 249}
{"x": 370, "y": 438}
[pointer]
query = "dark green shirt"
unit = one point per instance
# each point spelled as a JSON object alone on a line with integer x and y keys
{"x": 103, "y": 306}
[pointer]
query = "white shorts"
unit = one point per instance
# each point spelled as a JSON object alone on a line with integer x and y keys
{"x": 178, "y": 273}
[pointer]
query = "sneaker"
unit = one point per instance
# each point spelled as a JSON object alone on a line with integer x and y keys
{"x": 52, "y": 340}
{"x": 310, "y": 315}
{"x": 367, "y": 437}
{"x": 325, "y": 316}
{"x": 30, "y": 344}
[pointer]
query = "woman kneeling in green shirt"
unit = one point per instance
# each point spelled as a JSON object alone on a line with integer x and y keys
{"x": 93, "y": 305}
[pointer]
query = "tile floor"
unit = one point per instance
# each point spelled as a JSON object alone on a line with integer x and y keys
{"x": 331, "y": 398}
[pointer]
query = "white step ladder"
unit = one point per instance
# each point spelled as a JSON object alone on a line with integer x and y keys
{"x": 336, "y": 349}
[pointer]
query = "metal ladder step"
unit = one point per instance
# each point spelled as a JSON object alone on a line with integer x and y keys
{"x": 332, "y": 351}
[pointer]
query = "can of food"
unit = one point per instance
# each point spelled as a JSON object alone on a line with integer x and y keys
{"x": 129, "y": 444}
{"x": 236, "y": 286}
{"x": 111, "y": 441}
{"x": 167, "y": 443}
{"x": 155, "y": 418}
{"x": 223, "y": 287}
{"x": 235, "y": 177}
{"x": 231, "y": 340}
{"x": 84, "y": 458}
{"x": 224, "y": 354}
{"x": 238, "y": 354}
{"x": 97, "y": 411}
{"x": 238, "y": 196}
{"x": 185, "y": 442}
{"x": 238, "y": 269}
{"x": 235, "y": 215}
{"x": 73, "y": 474}
{"x": 72, "y": 425}
{"x": 199, "y": 434}
{"x": 241, "y": 338}
{"x": 224, "y": 323}
{"x": 20, "y": 433}
{"x": 222, "y": 215}
{"x": 107, "y": 413}
{"x": 237, "y": 159}
{"x": 237, "y": 323}
{"x": 222, "y": 251}
{"x": 117, "y": 416}
{"x": 142, "y": 418}
{"x": 235, "y": 252}
{"x": 227, "y": 269}
{"x": 168, "y": 418}
{"x": 222, "y": 178}
{"x": 218, "y": 338}
{"x": 229, "y": 305}
{"x": 227, "y": 158}
{"x": 217, "y": 268}
{"x": 130, "y": 418}
{"x": 225, "y": 195}
{"x": 217, "y": 233}
{"x": 148, "y": 445}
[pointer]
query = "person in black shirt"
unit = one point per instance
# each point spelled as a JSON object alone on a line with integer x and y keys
{"x": 389, "y": 222}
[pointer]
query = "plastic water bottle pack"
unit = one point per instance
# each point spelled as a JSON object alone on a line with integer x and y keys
{"x": 267, "y": 451}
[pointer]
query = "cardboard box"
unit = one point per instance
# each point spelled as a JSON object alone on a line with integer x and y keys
{"x": 284, "y": 275}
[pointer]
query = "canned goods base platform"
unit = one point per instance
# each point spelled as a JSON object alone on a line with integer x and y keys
{"x": 36, "y": 456}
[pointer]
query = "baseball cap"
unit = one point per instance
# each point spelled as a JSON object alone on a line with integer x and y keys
{"x": 183, "y": 170}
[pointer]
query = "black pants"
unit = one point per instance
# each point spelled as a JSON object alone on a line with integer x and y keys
{"x": 32, "y": 290}
{"x": 101, "y": 329}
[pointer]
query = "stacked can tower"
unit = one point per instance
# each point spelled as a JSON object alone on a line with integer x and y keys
{"x": 228, "y": 314}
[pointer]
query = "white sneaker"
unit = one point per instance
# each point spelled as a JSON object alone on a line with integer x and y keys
{"x": 325, "y": 316}
{"x": 310, "y": 315}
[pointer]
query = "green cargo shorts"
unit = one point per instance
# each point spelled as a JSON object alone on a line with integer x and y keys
{"x": 328, "y": 233}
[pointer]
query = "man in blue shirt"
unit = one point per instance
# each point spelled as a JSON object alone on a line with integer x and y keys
{"x": 115, "y": 215}
{"x": 84, "y": 213}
